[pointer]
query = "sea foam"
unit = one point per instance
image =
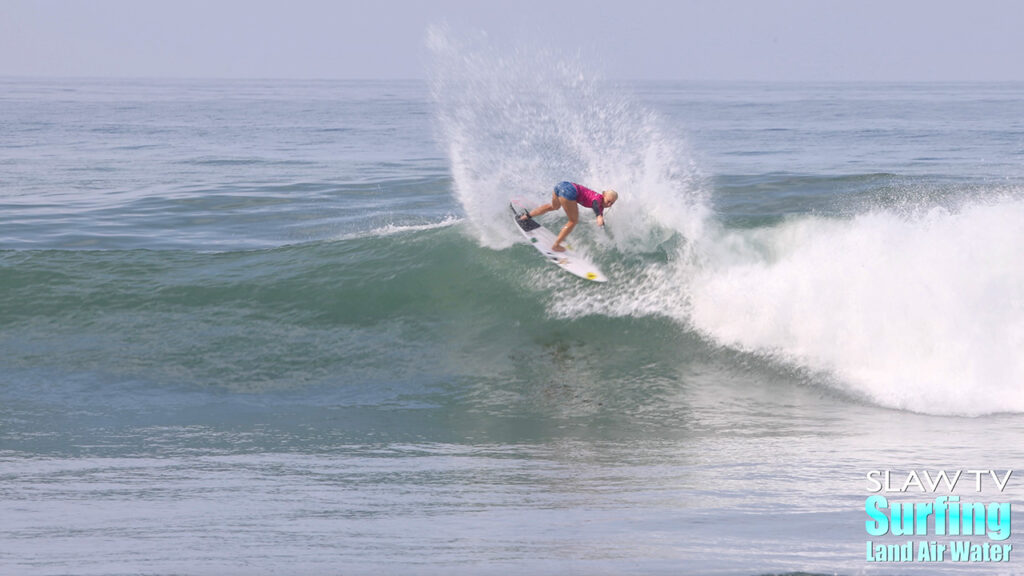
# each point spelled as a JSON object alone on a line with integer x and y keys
{"x": 920, "y": 311}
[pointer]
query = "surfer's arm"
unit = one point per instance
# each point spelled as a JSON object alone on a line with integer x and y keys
{"x": 600, "y": 219}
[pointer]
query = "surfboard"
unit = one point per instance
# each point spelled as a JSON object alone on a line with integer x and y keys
{"x": 542, "y": 239}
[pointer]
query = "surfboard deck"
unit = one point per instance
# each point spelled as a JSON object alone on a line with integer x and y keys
{"x": 542, "y": 239}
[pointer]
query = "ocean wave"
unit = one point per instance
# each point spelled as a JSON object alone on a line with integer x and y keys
{"x": 904, "y": 290}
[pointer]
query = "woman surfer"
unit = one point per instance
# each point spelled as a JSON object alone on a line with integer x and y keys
{"x": 569, "y": 196}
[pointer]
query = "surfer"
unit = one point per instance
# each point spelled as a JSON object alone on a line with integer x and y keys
{"x": 569, "y": 196}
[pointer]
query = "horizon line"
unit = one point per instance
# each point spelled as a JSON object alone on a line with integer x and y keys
{"x": 195, "y": 78}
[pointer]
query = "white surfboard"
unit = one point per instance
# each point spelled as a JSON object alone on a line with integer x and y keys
{"x": 542, "y": 239}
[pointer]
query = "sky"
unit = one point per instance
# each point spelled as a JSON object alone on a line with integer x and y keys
{"x": 758, "y": 40}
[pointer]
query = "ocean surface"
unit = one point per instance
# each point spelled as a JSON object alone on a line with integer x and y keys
{"x": 286, "y": 327}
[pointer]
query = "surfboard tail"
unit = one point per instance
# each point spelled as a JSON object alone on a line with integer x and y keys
{"x": 527, "y": 224}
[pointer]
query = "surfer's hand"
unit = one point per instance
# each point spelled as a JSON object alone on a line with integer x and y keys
{"x": 600, "y": 220}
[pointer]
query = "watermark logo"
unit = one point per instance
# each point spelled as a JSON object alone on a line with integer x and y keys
{"x": 942, "y": 527}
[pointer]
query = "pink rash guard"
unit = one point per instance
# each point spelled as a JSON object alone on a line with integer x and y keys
{"x": 589, "y": 199}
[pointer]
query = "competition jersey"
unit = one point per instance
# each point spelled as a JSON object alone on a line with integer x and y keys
{"x": 590, "y": 199}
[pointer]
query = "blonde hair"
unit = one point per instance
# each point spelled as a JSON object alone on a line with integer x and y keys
{"x": 611, "y": 194}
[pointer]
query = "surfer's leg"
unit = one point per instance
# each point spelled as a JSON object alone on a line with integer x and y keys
{"x": 545, "y": 208}
{"x": 572, "y": 210}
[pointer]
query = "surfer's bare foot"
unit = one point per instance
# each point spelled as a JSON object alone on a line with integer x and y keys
{"x": 557, "y": 248}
